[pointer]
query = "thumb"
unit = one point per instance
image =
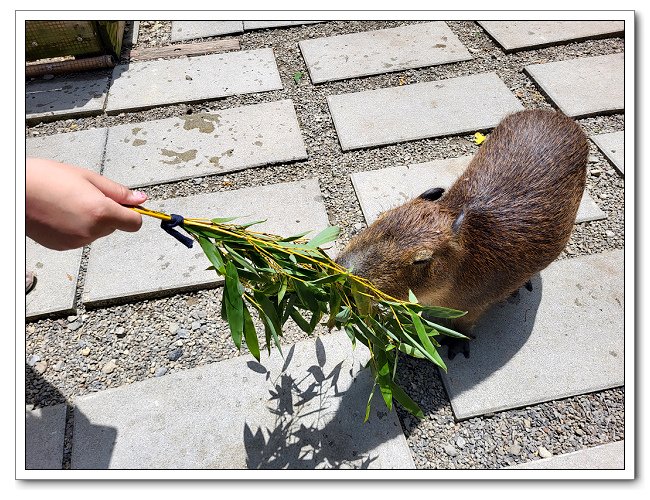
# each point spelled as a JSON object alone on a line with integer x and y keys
{"x": 115, "y": 191}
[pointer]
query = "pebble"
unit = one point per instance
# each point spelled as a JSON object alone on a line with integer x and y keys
{"x": 58, "y": 366}
{"x": 196, "y": 325}
{"x": 610, "y": 234}
{"x": 460, "y": 442}
{"x": 182, "y": 333}
{"x": 33, "y": 359}
{"x": 580, "y": 432}
{"x": 514, "y": 449}
{"x": 71, "y": 318}
{"x": 544, "y": 453}
{"x": 120, "y": 331}
{"x": 40, "y": 367}
{"x": 595, "y": 172}
{"x": 160, "y": 371}
{"x": 175, "y": 354}
{"x": 85, "y": 351}
{"x": 593, "y": 159}
{"x": 450, "y": 450}
{"x": 109, "y": 367}
{"x": 74, "y": 326}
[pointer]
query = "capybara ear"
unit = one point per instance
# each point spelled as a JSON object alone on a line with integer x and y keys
{"x": 455, "y": 227}
{"x": 432, "y": 194}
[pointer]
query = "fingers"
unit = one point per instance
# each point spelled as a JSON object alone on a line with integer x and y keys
{"x": 114, "y": 216}
{"x": 116, "y": 192}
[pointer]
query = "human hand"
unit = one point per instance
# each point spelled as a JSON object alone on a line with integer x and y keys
{"x": 68, "y": 207}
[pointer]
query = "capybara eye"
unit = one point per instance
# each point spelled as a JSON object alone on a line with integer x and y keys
{"x": 432, "y": 194}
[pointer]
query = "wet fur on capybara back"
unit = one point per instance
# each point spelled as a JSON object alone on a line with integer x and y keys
{"x": 507, "y": 217}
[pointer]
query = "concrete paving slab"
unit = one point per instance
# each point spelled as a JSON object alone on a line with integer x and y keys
{"x": 150, "y": 262}
{"x": 141, "y": 154}
{"x": 562, "y": 339}
{"x": 146, "y": 84}
{"x": 381, "y": 51}
{"x": 258, "y": 25}
{"x": 84, "y": 148}
{"x": 56, "y": 280}
{"x": 612, "y": 146}
{"x": 65, "y": 97}
{"x": 523, "y": 35}
{"x": 188, "y": 30}
{"x": 44, "y": 433}
{"x": 380, "y": 190}
{"x": 431, "y": 109}
{"x": 582, "y": 87}
{"x": 303, "y": 413}
{"x": 605, "y": 456}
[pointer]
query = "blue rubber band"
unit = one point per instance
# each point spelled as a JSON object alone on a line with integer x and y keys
{"x": 169, "y": 225}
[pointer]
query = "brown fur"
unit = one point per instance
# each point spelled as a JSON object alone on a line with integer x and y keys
{"x": 506, "y": 218}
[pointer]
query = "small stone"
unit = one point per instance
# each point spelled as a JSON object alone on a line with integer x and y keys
{"x": 544, "y": 453}
{"x": 514, "y": 449}
{"x": 71, "y": 318}
{"x": 178, "y": 343}
{"x": 595, "y": 172}
{"x": 109, "y": 367}
{"x": 580, "y": 432}
{"x": 593, "y": 159}
{"x": 59, "y": 366}
{"x": 74, "y": 326}
{"x": 358, "y": 226}
{"x": 603, "y": 196}
{"x": 188, "y": 77}
{"x": 33, "y": 359}
{"x": 40, "y": 367}
{"x": 175, "y": 354}
{"x": 85, "y": 351}
{"x": 609, "y": 234}
{"x": 196, "y": 325}
{"x": 173, "y": 328}
{"x": 527, "y": 423}
{"x": 202, "y": 314}
{"x": 160, "y": 371}
{"x": 460, "y": 442}
{"x": 450, "y": 450}
{"x": 120, "y": 331}
{"x": 182, "y": 334}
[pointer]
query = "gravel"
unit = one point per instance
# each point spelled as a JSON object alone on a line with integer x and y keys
{"x": 114, "y": 346}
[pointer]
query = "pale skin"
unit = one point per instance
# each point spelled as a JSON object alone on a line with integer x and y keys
{"x": 68, "y": 207}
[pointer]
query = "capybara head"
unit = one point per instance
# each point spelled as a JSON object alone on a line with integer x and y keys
{"x": 407, "y": 247}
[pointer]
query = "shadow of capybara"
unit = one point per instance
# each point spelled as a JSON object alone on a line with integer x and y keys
{"x": 507, "y": 217}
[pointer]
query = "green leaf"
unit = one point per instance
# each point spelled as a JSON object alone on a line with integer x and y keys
{"x": 404, "y": 399}
{"x": 221, "y": 220}
{"x": 306, "y": 297}
{"x": 383, "y": 377}
{"x": 426, "y": 341}
{"x": 283, "y": 289}
{"x": 325, "y": 236}
{"x": 411, "y": 351}
{"x": 362, "y": 300}
{"x": 344, "y": 315}
{"x": 412, "y": 297}
{"x": 213, "y": 254}
{"x": 236, "y": 256}
{"x": 251, "y": 335}
{"x": 334, "y": 306}
{"x": 234, "y": 304}
{"x": 249, "y": 224}
{"x": 445, "y": 330}
{"x": 372, "y": 393}
{"x": 442, "y": 312}
{"x": 294, "y": 237}
{"x": 297, "y": 76}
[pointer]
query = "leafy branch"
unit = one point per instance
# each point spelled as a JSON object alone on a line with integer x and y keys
{"x": 292, "y": 277}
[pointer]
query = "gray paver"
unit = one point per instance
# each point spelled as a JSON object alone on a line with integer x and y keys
{"x": 258, "y": 25}
{"x": 56, "y": 275}
{"x": 519, "y": 35}
{"x": 150, "y": 261}
{"x": 65, "y": 97}
{"x": 582, "y": 87}
{"x": 381, "y": 51}
{"x": 239, "y": 414}
{"x": 421, "y": 110}
{"x": 83, "y": 148}
{"x": 605, "y": 456}
{"x": 380, "y": 190}
{"x": 146, "y": 84}
{"x": 136, "y": 32}
{"x": 171, "y": 149}
{"x": 188, "y": 30}
{"x": 44, "y": 433}
{"x": 562, "y": 339}
{"x": 612, "y": 146}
